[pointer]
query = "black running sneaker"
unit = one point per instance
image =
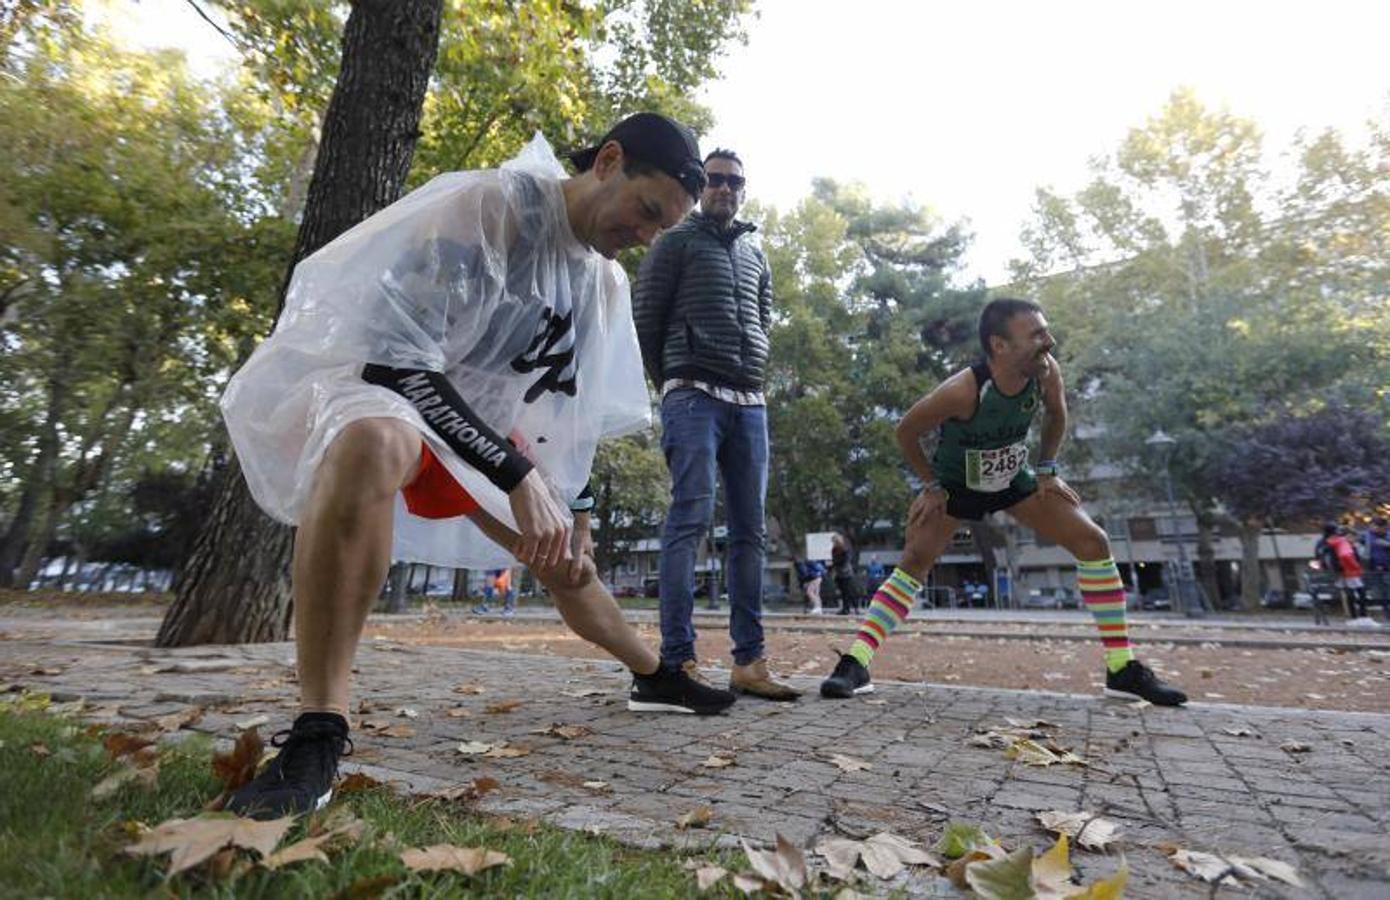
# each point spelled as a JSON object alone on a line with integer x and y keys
{"x": 671, "y": 689}
{"x": 849, "y": 678}
{"x": 1138, "y": 681}
{"x": 300, "y": 778}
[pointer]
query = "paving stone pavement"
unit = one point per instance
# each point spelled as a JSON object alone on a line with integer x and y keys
{"x": 1211, "y": 777}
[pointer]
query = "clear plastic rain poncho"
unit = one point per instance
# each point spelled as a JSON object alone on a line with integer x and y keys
{"x": 476, "y": 275}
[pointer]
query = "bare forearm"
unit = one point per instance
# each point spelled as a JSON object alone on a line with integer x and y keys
{"x": 1054, "y": 428}
{"x": 917, "y": 447}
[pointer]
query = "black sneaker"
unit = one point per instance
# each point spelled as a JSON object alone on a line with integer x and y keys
{"x": 671, "y": 689}
{"x": 300, "y": 778}
{"x": 849, "y": 678}
{"x": 1138, "y": 681}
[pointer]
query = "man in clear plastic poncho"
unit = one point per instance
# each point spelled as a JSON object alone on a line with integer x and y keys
{"x": 439, "y": 380}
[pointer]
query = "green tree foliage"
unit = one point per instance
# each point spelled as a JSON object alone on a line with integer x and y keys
{"x": 868, "y": 318}
{"x": 128, "y": 259}
{"x": 1195, "y": 293}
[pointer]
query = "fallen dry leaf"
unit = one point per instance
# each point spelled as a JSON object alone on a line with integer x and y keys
{"x": 238, "y": 766}
{"x": 40, "y": 749}
{"x": 191, "y": 841}
{"x": 508, "y": 751}
{"x": 474, "y": 748}
{"x": 698, "y": 817}
{"x": 253, "y": 722}
{"x": 468, "y": 689}
{"x": 458, "y": 712}
{"x": 468, "y": 860}
{"x": 179, "y": 720}
{"x": 581, "y": 693}
{"x": 1295, "y": 747}
{"x": 1240, "y": 732}
{"x": 392, "y": 731}
{"x": 707, "y": 877}
{"x": 599, "y": 786}
{"x": 718, "y": 761}
{"x": 1230, "y": 870}
{"x": 503, "y": 706}
{"x": 785, "y": 866}
{"x": 848, "y": 763}
{"x": 356, "y": 782}
{"x": 1086, "y": 829}
{"x": 1047, "y": 877}
{"x": 406, "y": 712}
{"x": 750, "y": 884}
{"x": 565, "y": 732}
{"x": 313, "y": 848}
{"x": 122, "y": 743}
{"x": 471, "y": 791}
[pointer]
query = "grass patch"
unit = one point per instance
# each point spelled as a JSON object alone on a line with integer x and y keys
{"x": 56, "y": 841}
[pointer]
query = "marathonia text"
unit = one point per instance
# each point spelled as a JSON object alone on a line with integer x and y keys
{"x": 448, "y": 421}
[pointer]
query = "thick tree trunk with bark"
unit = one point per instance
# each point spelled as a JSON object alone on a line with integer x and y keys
{"x": 235, "y": 585}
{"x": 38, "y": 484}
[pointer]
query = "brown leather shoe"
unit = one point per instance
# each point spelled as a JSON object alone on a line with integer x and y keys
{"x": 691, "y": 668}
{"x": 755, "y": 679}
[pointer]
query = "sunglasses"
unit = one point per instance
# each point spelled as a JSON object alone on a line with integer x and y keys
{"x": 718, "y": 179}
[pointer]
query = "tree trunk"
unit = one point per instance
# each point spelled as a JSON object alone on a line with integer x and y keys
{"x": 1206, "y": 557}
{"x": 40, "y": 534}
{"x": 1251, "y": 574}
{"x": 235, "y": 585}
{"x": 38, "y": 486}
{"x": 396, "y": 579}
{"x": 460, "y": 591}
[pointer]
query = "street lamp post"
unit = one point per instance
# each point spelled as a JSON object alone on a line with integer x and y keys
{"x": 1188, "y": 602}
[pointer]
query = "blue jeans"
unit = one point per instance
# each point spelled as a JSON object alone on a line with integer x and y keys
{"x": 699, "y": 435}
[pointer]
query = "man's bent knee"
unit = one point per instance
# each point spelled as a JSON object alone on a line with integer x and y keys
{"x": 562, "y": 582}
{"x": 373, "y": 455}
{"x": 1092, "y": 545}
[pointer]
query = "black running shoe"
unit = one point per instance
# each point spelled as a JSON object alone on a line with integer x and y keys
{"x": 849, "y": 678}
{"x": 1138, "y": 681}
{"x": 671, "y": 689}
{"x": 300, "y": 778}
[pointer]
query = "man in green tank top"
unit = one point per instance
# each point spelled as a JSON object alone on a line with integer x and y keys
{"x": 980, "y": 417}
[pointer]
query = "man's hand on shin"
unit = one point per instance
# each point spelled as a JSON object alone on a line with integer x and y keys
{"x": 544, "y": 541}
{"x": 1055, "y": 486}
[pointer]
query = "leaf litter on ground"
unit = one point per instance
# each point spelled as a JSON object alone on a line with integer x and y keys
{"x": 1088, "y": 830}
{"x": 192, "y": 841}
{"x": 449, "y": 857}
{"x": 1230, "y": 871}
{"x": 783, "y": 867}
{"x": 1021, "y": 874}
{"x": 884, "y": 854}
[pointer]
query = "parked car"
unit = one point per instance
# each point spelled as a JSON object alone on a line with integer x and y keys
{"x": 1156, "y": 598}
{"x": 1051, "y": 598}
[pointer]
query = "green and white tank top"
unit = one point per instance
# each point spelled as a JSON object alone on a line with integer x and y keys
{"x": 987, "y": 452}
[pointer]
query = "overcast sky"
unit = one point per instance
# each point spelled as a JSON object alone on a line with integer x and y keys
{"x": 968, "y": 107}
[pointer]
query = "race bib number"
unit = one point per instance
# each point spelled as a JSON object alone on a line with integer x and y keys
{"x": 991, "y": 471}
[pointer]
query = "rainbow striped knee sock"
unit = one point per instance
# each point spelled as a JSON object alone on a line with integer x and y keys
{"x": 890, "y": 607}
{"x": 1104, "y": 594}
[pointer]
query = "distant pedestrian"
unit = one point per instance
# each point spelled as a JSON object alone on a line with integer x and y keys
{"x": 1338, "y": 556}
{"x": 842, "y": 567}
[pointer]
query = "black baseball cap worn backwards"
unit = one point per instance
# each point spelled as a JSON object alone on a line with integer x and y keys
{"x": 658, "y": 141}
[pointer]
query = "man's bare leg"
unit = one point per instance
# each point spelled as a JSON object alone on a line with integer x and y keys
{"x": 1056, "y": 515}
{"x": 891, "y": 604}
{"x": 342, "y": 552}
{"x": 584, "y": 603}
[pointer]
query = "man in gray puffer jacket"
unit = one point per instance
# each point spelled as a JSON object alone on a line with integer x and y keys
{"x": 703, "y": 310}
